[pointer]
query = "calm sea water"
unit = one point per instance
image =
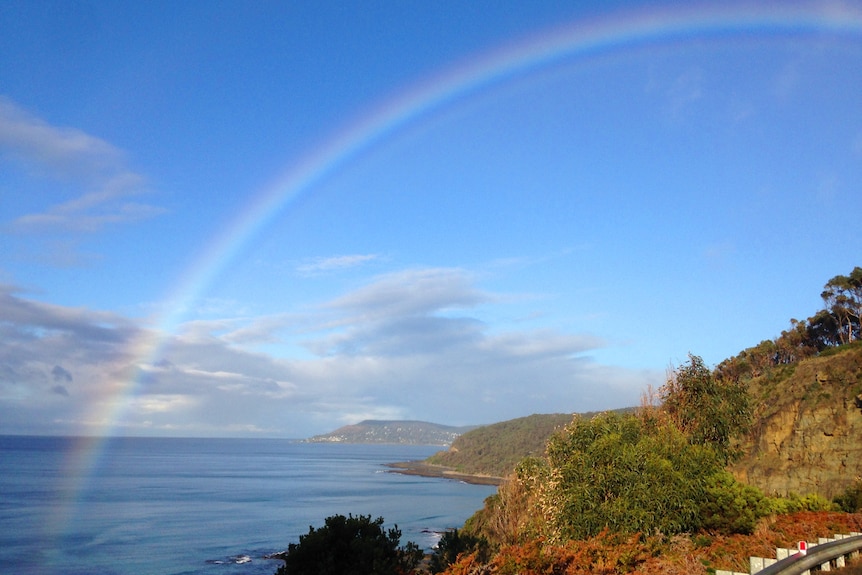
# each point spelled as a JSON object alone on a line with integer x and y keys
{"x": 202, "y": 506}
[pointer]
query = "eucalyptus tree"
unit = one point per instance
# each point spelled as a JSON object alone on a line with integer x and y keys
{"x": 842, "y": 296}
{"x": 710, "y": 410}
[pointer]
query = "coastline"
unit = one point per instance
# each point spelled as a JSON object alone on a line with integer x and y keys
{"x": 424, "y": 469}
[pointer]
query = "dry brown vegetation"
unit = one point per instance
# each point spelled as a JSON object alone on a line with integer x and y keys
{"x": 695, "y": 554}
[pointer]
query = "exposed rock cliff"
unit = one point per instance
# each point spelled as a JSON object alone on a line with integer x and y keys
{"x": 808, "y": 435}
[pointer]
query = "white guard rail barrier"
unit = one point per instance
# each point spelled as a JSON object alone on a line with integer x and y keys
{"x": 816, "y": 557}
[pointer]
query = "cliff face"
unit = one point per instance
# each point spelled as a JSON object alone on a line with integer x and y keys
{"x": 808, "y": 435}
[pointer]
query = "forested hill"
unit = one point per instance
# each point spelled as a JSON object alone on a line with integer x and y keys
{"x": 395, "y": 432}
{"x": 496, "y": 449}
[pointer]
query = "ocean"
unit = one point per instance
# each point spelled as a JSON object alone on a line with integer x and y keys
{"x": 159, "y": 506}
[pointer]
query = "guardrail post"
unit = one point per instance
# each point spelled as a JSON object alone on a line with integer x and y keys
{"x": 839, "y": 561}
{"x": 826, "y": 554}
{"x": 828, "y": 565}
{"x": 755, "y": 564}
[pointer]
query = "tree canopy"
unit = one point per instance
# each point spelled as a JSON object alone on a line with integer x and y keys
{"x": 710, "y": 410}
{"x": 842, "y": 296}
{"x": 838, "y": 323}
{"x": 350, "y": 546}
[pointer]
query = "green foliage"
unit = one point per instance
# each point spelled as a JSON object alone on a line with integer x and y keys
{"x": 709, "y": 410}
{"x": 841, "y": 348}
{"x": 731, "y": 507}
{"x": 350, "y": 546}
{"x": 618, "y": 473}
{"x": 510, "y": 517}
{"x": 842, "y": 296}
{"x": 621, "y": 474}
{"x": 794, "y": 503}
{"x": 851, "y": 500}
{"x": 454, "y": 543}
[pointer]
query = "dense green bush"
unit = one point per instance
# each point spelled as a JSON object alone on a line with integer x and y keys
{"x": 628, "y": 474}
{"x": 350, "y": 546}
{"x": 454, "y": 543}
{"x": 793, "y": 503}
{"x": 708, "y": 409}
{"x": 851, "y": 500}
{"x": 730, "y": 506}
{"x": 614, "y": 472}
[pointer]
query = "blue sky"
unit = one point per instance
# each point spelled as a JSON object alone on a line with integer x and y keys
{"x": 273, "y": 218}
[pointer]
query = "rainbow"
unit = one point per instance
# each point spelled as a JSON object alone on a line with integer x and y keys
{"x": 581, "y": 39}
{"x": 578, "y": 40}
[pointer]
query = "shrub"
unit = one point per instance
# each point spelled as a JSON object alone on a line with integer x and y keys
{"x": 613, "y": 472}
{"x": 350, "y": 546}
{"x": 793, "y": 503}
{"x": 851, "y": 500}
{"x": 710, "y": 410}
{"x": 455, "y": 543}
{"x": 731, "y": 507}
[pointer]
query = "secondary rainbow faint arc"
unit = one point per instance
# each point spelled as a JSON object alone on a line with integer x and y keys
{"x": 579, "y": 39}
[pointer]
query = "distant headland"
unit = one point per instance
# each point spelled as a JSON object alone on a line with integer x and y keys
{"x": 397, "y": 432}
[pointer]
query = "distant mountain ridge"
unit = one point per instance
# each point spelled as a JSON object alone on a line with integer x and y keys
{"x": 401, "y": 432}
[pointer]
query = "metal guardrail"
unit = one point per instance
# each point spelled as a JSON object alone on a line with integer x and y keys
{"x": 815, "y": 557}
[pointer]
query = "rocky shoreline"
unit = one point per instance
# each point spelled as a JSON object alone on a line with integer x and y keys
{"x": 423, "y": 469}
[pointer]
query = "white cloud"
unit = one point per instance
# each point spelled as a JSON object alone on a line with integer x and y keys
{"x": 161, "y": 403}
{"x": 412, "y": 292}
{"x": 335, "y": 263}
{"x": 67, "y": 153}
{"x": 406, "y": 345}
{"x": 98, "y": 170}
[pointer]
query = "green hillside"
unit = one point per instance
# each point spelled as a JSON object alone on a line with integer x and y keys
{"x": 496, "y": 449}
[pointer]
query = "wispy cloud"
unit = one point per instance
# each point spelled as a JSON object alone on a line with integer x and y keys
{"x": 335, "y": 263}
{"x": 413, "y": 292}
{"x": 65, "y": 153}
{"x": 96, "y": 169}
